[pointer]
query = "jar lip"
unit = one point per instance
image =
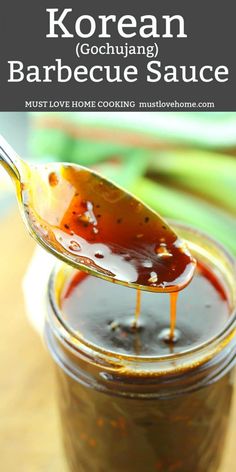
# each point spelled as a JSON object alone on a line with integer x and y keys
{"x": 78, "y": 343}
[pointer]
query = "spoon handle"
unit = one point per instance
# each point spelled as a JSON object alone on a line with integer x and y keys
{"x": 9, "y": 159}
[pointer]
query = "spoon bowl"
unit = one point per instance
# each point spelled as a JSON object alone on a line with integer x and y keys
{"x": 98, "y": 227}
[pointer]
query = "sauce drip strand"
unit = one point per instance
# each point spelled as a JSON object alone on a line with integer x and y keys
{"x": 137, "y": 308}
{"x": 103, "y": 313}
{"x": 173, "y": 302}
{"x": 170, "y": 335}
{"x": 107, "y": 232}
{"x": 98, "y": 227}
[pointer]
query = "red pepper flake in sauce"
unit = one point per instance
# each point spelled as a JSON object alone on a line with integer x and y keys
{"x": 22, "y": 186}
{"x": 113, "y": 423}
{"x": 121, "y": 423}
{"x": 162, "y": 251}
{"x": 92, "y": 442}
{"x": 153, "y": 278}
{"x": 53, "y": 179}
{"x": 74, "y": 246}
{"x": 176, "y": 466}
{"x": 100, "y": 422}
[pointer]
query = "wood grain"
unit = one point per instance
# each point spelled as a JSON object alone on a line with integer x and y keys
{"x": 29, "y": 429}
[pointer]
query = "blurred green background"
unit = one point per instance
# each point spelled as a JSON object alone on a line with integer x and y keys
{"x": 181, "y": 164}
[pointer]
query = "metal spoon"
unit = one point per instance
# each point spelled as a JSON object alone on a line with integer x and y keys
{"x": 96, "y": 226}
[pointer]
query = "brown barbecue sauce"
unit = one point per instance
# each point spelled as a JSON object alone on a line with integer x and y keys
{"x": 101, "y": 226}
{"x": 139, "y": 423}
{"x": 98, "y": 224}
{"x": 104, "y": 314}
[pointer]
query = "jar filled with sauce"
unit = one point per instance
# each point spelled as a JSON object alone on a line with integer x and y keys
{"x": 129, "y": 398}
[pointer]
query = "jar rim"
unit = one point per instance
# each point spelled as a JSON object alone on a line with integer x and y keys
{"x": 196, "y": 355}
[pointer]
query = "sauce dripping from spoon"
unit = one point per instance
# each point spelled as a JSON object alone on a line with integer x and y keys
{"x": 97, "y": 227}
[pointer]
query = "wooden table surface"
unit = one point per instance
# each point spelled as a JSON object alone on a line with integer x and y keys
{"x": 29, "y": 429}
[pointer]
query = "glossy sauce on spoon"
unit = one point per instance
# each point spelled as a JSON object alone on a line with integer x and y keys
{"x": 98, "y": 227}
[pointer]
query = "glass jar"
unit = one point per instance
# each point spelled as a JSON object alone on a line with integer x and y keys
{"x": 132, "y": 413}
